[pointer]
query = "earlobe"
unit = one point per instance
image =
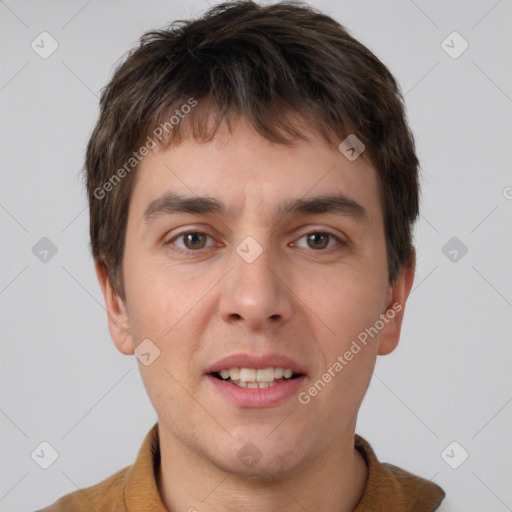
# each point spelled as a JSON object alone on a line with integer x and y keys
{"x": 118, "y": 323}
{"x": 395, "y": 308}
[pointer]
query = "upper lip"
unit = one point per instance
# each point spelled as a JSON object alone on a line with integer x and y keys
{"x": 256, "y": 362}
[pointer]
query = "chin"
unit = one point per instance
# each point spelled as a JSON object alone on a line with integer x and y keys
{"x": 262, "y": 460}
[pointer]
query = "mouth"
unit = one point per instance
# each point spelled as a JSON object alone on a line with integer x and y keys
{"x": 253, "y": 378}
{"x": 250, "y": 381}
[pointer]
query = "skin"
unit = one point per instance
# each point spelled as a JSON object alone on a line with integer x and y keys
{"x": 297, "y": 299}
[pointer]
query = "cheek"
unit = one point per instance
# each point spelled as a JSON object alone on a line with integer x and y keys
{"x": 346, "y": 303}
{"x": 166, "y": 309}
{"x": 353, "y": 309}
{"x": 153, "y": 304}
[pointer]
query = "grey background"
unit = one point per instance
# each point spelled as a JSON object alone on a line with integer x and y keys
{"x": 64, "y": 382}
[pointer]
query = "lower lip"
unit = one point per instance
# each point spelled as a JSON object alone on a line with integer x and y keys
{"x": 258, "y": 398}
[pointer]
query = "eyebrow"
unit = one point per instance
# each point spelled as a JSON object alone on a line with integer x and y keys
{"x": 172, "y": 203}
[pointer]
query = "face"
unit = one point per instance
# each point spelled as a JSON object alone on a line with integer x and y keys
{"x": 255, "y": 285}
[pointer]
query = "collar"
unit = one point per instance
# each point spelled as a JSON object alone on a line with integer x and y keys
{"x": 389, "y": 486}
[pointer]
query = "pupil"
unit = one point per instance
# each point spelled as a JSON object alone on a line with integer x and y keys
{"x": 314, "y": 235}
{"x": 191, "y": 237}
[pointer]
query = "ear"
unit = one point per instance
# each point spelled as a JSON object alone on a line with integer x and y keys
{"x": 397, "y": 298}
{"x": 118, "y": 324}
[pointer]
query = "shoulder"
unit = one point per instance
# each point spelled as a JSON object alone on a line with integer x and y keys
{"x": 393, "y": 488}
{"x": 417, "y": 493}
{"x": 107, "y": 496}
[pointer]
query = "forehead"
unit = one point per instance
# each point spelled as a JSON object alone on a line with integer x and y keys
{"x": 242, "y": 170}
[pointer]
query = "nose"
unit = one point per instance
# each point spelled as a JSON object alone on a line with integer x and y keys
{"x": 255, "y": 292}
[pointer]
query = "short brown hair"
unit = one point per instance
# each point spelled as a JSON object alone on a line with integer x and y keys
{"x": 266, "y": 63}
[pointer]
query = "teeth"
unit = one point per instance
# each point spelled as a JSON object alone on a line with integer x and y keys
{"x": 253, "y": 385}
{"x": 247, "y": 374}
{"x": 252, "y": 378}
{"x": 265, "y": 375}
{"x": 278, "y": 373}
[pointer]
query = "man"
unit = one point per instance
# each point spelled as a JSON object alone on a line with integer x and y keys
{"x": 253, "y": 185}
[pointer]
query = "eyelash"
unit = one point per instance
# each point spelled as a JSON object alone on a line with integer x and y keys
{"x": 312, "y": 232}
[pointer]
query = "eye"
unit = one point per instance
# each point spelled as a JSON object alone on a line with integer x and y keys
{"x": 192, "y": 240}
{"x": 195, "y": 240}
{"x": 319, "y": 240}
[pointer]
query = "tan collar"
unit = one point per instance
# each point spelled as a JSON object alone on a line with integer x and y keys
{"x": 388, "y": 486}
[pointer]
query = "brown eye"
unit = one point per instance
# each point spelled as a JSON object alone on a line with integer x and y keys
{"x": 191, "y": 241}
{"x": 318, "y": 240}
{"x": 194, "y": 240}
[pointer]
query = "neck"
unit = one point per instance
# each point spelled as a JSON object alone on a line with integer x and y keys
{"x": 335, "y": 480}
